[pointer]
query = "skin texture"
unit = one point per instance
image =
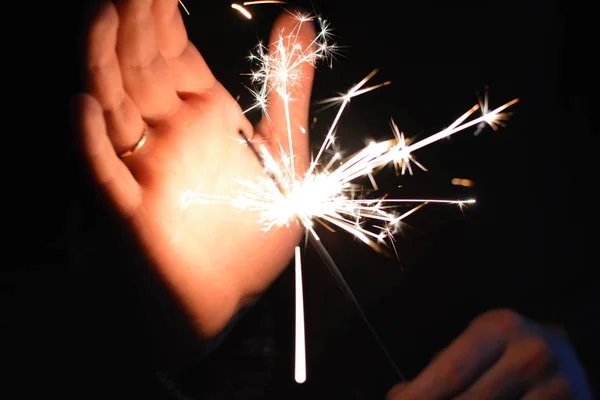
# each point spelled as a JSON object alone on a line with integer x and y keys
{"x": 501, "y": 355}
{"x": 141, "y": 70}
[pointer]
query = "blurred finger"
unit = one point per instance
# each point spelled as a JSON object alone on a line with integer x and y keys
{"x": 456, "y": 367}
{"x": 522, "y": 364}
{"x": 103, "y": 76}
{"x": 555, "y": 388}
{"x": 189, "y": 72}
{"x": 114, "y": 178}
{"x": 145, "y": 72}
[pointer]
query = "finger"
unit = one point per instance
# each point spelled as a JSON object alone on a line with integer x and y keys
{"x": 290, "y": 49}
{"x": 189, "y": 72}
{"x": 145, "y": 72}
{"x": 522, "y": 364}
{"x": 395, "y": 391}
{"x": 113, "y": 176}
{"x": 456, "y": 367}
{"x": 555, "y": 388}
{"x": 123, "y": 120}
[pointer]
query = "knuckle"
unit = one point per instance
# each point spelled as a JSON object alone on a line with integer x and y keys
{"x": 504, "y": 320}
{"x": 538, "y": 356}
{"x": 540, "y": 350}
{"x": 455, "y": 372}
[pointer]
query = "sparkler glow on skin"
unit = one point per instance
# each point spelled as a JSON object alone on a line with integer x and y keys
{"x": 325, "y": 193}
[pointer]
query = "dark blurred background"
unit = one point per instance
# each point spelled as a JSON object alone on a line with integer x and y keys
{"x": 74, "y": 328}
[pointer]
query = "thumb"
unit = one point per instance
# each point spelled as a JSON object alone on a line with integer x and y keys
{"x": 290, "y": 71}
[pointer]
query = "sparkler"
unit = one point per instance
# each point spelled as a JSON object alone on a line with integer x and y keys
{"x": 327, "y": 193}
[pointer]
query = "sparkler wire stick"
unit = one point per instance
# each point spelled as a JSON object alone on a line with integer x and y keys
{"x": 300, "y": 339}
{"x": 333, "y": 269}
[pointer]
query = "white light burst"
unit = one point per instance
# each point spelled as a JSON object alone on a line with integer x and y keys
{"x": 328, "y": 192}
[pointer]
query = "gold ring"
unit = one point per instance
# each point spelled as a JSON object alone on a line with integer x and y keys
{"x": 137, "y": 146}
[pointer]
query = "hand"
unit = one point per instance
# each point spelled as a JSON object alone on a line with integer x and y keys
{"x": 501, "y": 355}
{"x": 143, "y": 71}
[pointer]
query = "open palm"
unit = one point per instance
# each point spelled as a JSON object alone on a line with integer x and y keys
{"x": 142, "y": 71}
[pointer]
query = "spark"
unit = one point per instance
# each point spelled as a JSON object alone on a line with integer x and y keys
{"x": 251, "y": 3}
{"x": 279, "y": 69}
{"x": 494, "y": 121}
{"x": 184, "y": 7}
{"x": 403, "y": 160}
{"x": 462, "y": 182}
{"x": 245, "y": 12}
{"x": 242, "y": 10}
{"x": 343, "y": 100}
{"x": 330, "y": 195}
{"x": 328, "y": 192}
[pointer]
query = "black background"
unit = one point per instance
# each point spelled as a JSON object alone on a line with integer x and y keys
{"x": 76, "y": 330}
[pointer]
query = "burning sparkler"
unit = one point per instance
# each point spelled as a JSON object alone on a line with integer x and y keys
{"x": 327, "y": 193}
